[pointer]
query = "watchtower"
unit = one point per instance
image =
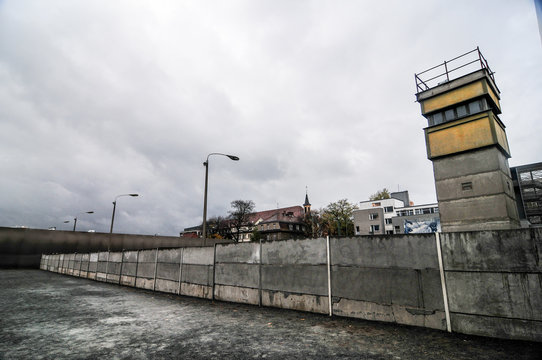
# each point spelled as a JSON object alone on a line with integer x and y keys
{"x": 466, "y": 141}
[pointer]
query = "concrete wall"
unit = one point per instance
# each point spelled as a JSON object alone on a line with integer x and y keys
{"x": 23, "y": 247}
{"x": 393, "y": 278}
{"x": 494, "y": 282}
{"x": 492, "y": 279}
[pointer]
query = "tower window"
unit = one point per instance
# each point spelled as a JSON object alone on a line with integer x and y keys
{"x": 449, "y": 114}
{"x": 437, "y": 118}
{"x": 462, "y": 111}
{"x": 466, "y": 186}
{"x": 475, "y": 107}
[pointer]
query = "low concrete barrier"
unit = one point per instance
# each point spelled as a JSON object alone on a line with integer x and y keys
{"x": 23, "y": 247}
{"x": 483, "y": 283}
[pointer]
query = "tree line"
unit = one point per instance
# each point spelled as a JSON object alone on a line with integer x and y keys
{"x": 336, "y": 219}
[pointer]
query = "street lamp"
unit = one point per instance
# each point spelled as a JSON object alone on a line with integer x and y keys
{"x": 75, "y": 219}
{"x": 114, "y": 207}
{"x": 206, "y": 164}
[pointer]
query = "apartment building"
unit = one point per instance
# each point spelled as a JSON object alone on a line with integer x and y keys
{"x": 396, "y": 215}
{"x": 375, "y": 217}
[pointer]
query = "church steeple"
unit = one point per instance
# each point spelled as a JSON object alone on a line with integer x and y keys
{"x": 307, "y": 204}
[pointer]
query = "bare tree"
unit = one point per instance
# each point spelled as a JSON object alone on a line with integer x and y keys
{"x": 239, "y": 216}
{"x": 218, "y": 228}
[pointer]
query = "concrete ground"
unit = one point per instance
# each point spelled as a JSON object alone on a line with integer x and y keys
{"x": 50, "y": 316}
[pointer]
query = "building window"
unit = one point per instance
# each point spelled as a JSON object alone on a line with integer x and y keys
{"x": 449, "y": 114}
{"x": 291, "y": 227}
{"x": 375, "y": 204}
{"x": 388, "y": 221}
{"x": 374, "y": 228}
{"x": 388, "y": 209}
{"x": 373, "y": 216}
{"x": 397, "y": 229}
{"x": 437, "y": 119}
{"x": 461, "y": 111}
{"x": 357, "y": 229}
{"x": 389, "y": 232}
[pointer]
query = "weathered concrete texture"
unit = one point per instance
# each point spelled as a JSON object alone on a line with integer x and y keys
{"x": 167, "y": 286}
{"x": 300, "y": 302}
{"x": 300, "y": 279}
{"x": 398, "y": 251}
{"x": 496, "y": 294}
{"x": 198, "y": 256}
{"x": 489, "y": 208}
{"x": 244, "y": 275}
{"x": 128, "y": 280}
{"x": 390, "y": 313}
{"x": 130, "y": 256}
{"x": 310, "y": 251}
{"x": 469, "y": 163}
{"x": 197, "y": 274}
{"x": 490, "y": 183}
{"x": 488, "y": 202}
{"x": 237, "y": 294}
{"x": 497, "y": 327}
{"x": 494, "y": 282}
{"x": 146, "y": 270}
{"x": 248, "y": 253}
{"x": 196, "y": 290}
{"x": 169, "y": 255}
{"x": 414, "y": 288}
{"x": 129, "y": 268}
{"x": 145, "y": 283}
{"x": 167, "y": 271}
{"x": 514, "y": 250}
{"x": 147, "y": 256}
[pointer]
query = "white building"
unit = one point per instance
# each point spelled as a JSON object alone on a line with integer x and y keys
{"x": 375, "y": 217}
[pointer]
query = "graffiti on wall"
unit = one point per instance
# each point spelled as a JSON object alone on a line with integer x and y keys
{"x": 422, "y": 226}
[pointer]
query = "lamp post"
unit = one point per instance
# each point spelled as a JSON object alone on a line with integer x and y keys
{"x": 206, "y": 164}
{"x": 75, "y": 219}
{"x": 114, "y": 208}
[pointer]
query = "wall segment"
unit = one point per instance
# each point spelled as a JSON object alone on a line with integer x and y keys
{"x": 492, "y": 278}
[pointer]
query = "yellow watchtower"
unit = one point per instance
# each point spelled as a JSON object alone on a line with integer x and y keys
{"x": 466, "y": 141}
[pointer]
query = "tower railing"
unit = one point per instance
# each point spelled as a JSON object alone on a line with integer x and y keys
{"x": 442, "y": 73}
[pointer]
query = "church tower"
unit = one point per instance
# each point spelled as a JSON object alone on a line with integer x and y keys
{"x": 307, "y": 204}
{"x": 466, "y": 141}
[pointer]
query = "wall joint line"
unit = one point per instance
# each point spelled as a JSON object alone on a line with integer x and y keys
{"x": 443, "y": 283}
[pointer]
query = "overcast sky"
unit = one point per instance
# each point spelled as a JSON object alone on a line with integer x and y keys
{"x": 101, "y": 98}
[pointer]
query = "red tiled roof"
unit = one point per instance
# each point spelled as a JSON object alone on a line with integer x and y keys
{"x": 296, "y": 214}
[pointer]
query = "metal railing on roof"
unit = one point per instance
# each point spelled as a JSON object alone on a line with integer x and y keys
{"x": 442, "y": 73}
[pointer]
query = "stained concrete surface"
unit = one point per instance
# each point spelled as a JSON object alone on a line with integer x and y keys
{"x": 51, "y": 316}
